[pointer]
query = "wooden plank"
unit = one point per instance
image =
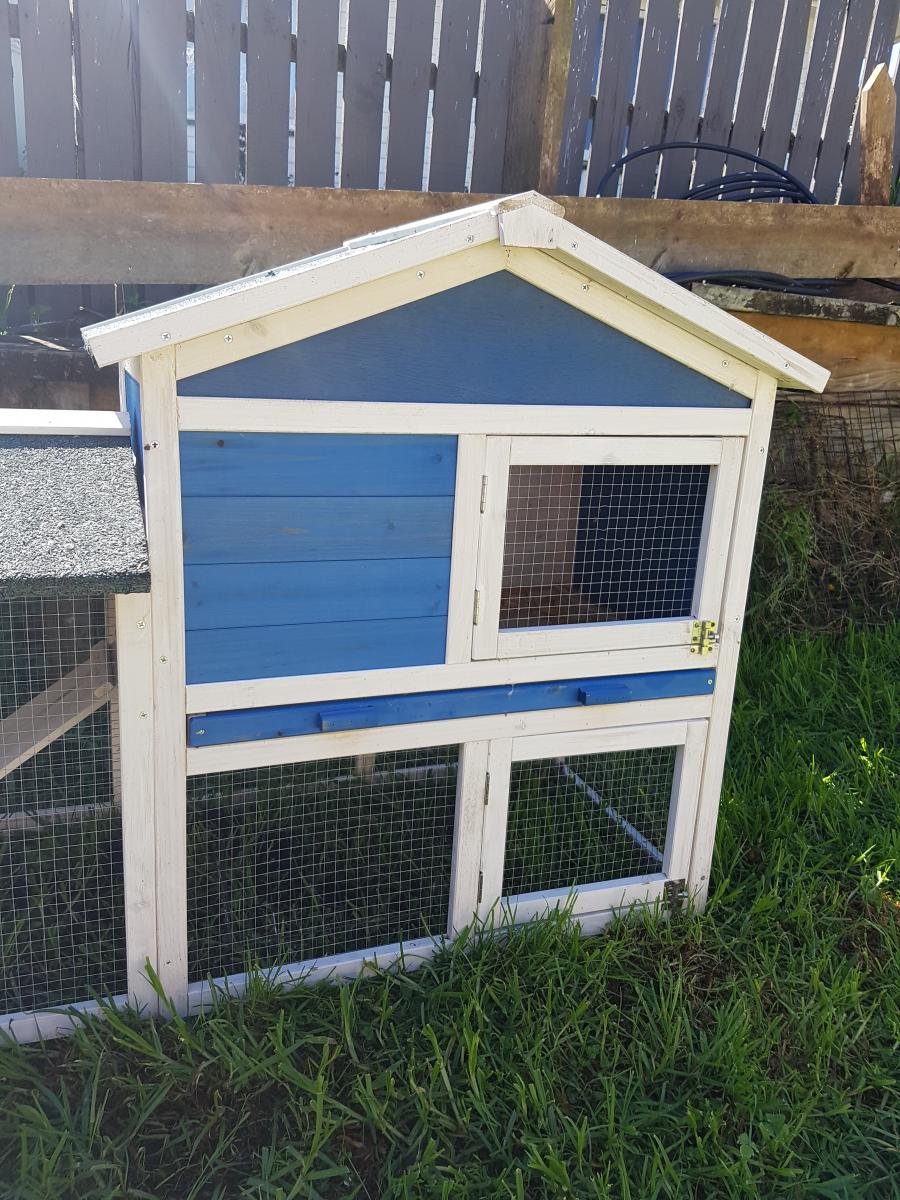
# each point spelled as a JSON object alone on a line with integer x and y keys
{"x": 9, "y": 140}
{"x": 314, "y": 139}
{"x": 651, "y": 94}
{"x": 254, "y": 529}
{"x": 217, "y": 81}
{"x": 45, "y": 30}
{"x": 586, "y": 34}
{"x": 842, "y": 105}
{"x": 162, "y": 503}
{"x": 221, "y": 654}
{"x": 877, "y": 116}
{"x": 182, "y": 234}
{"x": 106, "y": 33}
{"x": 364, "y": 76}
{"x": 453, "y": 92}
{"x": 826, "y": 39}
{"x": 466, "y": 863}
{"x": 410, "y": 90}
{"x": 555, "y": 97}
{"x": 718, "y": 107}
{"x": 268, "y": 90}
{"x": 492, "y": 108}
{"x": 521, "y": 159}
{"x": 694, "y": 44}
{"x": 59, "y": 708}
{"x": 64, "y": 421}
{"x": 614, "y": 87}
{"x": 296, "y": 464}
{"x": 134, "y": 653}
{"x": 231, "y": 596}
{"x": 884, "y": 26}
{"x": 756, "y": 75}
{"x": 786, "y": 81}
{"x": 163, "y": 75}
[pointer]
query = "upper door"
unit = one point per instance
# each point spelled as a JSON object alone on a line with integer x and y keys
{"x": 595, "y": 543}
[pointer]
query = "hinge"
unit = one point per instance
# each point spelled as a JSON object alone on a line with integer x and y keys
{"x": 480, "y": 886}
{"x": 476, "y": 607}
{"x": 483, "y": 491}
{"x": 487, "y": 788}
{"x": 674, "y": 895}
{"x": 703, "y": 637}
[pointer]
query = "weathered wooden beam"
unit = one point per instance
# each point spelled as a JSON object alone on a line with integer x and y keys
{"x": 877, "y": 114}
{"x": 555, "y": 96}
{"x": 94, "y": 231}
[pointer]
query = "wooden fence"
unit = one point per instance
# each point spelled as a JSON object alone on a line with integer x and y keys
{"x": 437, "y": 94}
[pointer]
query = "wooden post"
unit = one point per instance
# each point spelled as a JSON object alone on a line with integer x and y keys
{"x": 877, "y": 110}
{"x": 555, "y": 97}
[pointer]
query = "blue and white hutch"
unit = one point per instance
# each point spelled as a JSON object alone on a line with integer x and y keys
{"x": 449, "y": 532}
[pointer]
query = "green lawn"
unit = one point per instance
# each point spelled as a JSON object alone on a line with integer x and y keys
{"x": 750, "y": 1052}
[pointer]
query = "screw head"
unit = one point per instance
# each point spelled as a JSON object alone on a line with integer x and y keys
{"x": 585, "y": 287}
{"x": 420, "y": 274}
{"x": 199, "y": 732}
{"x": 574, "y": 245}
{"x": 471, "y": 238}
{"x": 143, "y": 716}
{"x": 162, "y": 658}
{"x": 141, "y": 624}
{"x": 725, "y": 362}
{"x": 167, "y": 337}
{"x": 228, "y": 338}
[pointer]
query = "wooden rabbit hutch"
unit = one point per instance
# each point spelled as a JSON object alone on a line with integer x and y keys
{"x": 449, "y": 533}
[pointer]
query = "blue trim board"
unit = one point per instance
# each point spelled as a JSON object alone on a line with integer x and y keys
{"x": 292, "y": 720}
{"x": 317, "y": 464}
{"x": 241, "y": 595}
{"x": 133, "y": 408}
{"x": 217, "y": 655}
{"x": 472, "y": 344}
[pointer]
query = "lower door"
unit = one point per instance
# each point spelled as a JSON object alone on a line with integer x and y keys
{"x": 598, "y": 820}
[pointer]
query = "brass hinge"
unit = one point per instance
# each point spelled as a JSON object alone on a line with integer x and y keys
{"x": 480, "y": 885}
{"x": 674, "y": 894}
{"x": 476, "y": 607}
{"x": 483, "y": 491}
{"x": 487, "y": 788}
{"x": 703, "y": 637}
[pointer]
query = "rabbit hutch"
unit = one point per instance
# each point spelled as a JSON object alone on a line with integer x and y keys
{"x": 449, "y": 534}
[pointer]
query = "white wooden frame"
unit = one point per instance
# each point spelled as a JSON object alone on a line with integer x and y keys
{"x": 723, "y": 455}
{"x": 594, "y": 905}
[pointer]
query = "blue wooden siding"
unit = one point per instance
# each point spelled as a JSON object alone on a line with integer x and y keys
{"x": 293, "y": 720}
{"x": 309, "y": 553}
{"x": 497, "y": 340}
{"x": 133, "y": 408}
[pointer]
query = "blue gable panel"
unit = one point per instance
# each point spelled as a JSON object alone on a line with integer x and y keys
{"x": 292, "y": 720}
{"x": 133, "y": 408}
{"x": 497, "y": 340}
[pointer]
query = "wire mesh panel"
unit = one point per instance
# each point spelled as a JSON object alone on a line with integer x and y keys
{"x": 588, "y": 818}
{"x": 588, "y": 544}
{"x": 62, "y": 934}
{"x": 297, "y": 862}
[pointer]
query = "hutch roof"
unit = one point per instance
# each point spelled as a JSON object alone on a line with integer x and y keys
{"x": 228, "y": 322}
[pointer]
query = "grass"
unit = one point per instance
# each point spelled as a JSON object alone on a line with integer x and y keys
{"x": 753, "y": 1051}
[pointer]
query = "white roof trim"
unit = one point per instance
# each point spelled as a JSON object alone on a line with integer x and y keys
{"x": 526, "y": 220}
{"x": 61, "y": 421}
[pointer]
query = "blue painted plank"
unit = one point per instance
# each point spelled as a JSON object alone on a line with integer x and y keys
{"x": 233, "y": 596}
{"x": 297, "y": 719}
{"x": 473, "y": 344}
{"x": 214, "y": 655}
{"x": 253, "y": 529}
{"x": 133, "y": 408}
{"x": 316, "y": 464}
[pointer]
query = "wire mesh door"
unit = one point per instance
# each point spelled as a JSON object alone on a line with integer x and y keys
{"x": 61, "y": 864}
{"x": 319, "y": 862}
{"x": 600, "y": 820}
{"x": 600, "y": 543}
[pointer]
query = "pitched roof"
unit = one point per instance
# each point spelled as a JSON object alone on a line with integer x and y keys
{"x": 526, "y": 220}
{"x": 70, "y": 517}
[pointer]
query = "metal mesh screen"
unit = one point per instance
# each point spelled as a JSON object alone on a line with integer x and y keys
{"x": 601, "y": 543}
{"x": 296, "y": 862}
{"x": 587, "y": 819}
{"x": 62, "y": 935}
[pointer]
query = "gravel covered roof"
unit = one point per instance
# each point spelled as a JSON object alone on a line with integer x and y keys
{"x": 70, "y": 517}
